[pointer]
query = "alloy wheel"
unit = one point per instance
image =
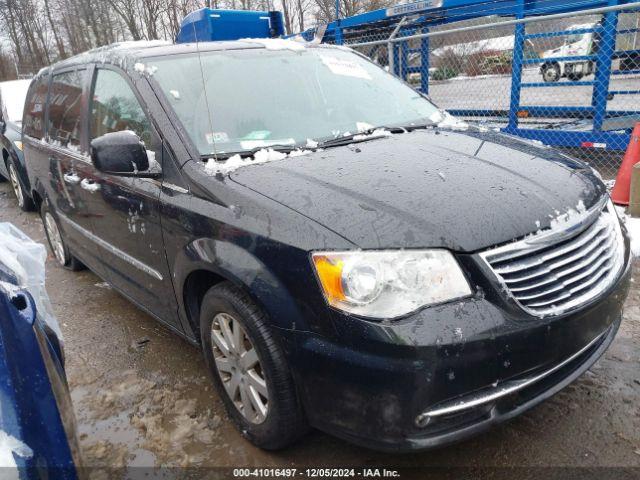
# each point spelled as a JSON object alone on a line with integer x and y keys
{"x": 239, "y": 367}
{"x": 15, "y": 183}
{"x": 54, "y": 237}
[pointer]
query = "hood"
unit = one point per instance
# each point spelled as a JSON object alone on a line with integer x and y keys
{"x": 459, "y": 190}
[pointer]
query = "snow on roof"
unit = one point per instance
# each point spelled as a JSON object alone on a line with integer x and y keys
{"x": 13, "y": 94}
{"x": 276, "y": 43}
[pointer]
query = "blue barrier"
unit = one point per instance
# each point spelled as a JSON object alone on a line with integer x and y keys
{"x": 371, "y": 32}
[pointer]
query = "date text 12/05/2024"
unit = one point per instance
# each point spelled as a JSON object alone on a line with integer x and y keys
{"x": 315, "y": 472}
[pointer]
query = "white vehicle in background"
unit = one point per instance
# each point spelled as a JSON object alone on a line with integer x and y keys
{"x": 576, "y": 45}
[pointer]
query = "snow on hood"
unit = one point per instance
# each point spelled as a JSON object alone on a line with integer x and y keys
{"x": 377, "y": 133}
{"x": 445, "y": 120}
{"x": 214, "y": 167}
{"x": 26, "y": 260}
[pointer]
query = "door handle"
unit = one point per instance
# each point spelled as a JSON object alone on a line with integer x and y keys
{"x": 89, "y": 185}
{"x": 71, "y": 178}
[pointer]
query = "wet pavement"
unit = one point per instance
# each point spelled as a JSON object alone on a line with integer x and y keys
{"x": 142, "y": 396}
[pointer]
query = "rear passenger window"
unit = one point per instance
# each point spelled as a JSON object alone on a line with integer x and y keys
{"x": 33, "y": 121}
{"x": 116, "y": 108}
{"x": 65, "y": 107}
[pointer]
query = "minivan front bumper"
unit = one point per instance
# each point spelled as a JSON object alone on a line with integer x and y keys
{"x": 448, "y": 372}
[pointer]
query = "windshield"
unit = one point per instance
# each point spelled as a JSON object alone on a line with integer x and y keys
{"x": 13, "y": 95}
{"x": 259, "y": 97}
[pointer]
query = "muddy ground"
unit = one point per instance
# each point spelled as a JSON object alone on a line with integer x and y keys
{"x": 142, "y": 396}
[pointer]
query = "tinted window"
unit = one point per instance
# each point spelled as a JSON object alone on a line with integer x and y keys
{"x": 65, "y": 106}
{"x": 116, "y": 108}
{"x": 33, "y": 122}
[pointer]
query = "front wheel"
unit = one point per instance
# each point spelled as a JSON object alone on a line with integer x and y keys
{"x": 24, "y": 201}
{"x": 56, "y": 241}
{"x": 249, "y": 369}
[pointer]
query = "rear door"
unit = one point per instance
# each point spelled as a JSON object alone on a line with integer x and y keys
{"x": 70, "y": 164}
{"x": 126, "y": 211}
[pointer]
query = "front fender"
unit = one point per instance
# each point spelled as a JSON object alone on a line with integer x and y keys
{"x": 239, "y": 266}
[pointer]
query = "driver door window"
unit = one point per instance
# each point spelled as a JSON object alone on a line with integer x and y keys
{"x": 115, "y": 108}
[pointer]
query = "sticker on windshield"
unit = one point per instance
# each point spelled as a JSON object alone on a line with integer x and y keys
{"x": 345, "y": 68}
{"x": 257, "y": 135}
{"x": 216, "y": 137}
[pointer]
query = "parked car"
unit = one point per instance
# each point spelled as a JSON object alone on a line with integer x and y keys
{"x": 12, "y": 95}
{"x": 342, "y": 260}
{"x": 37, "y": 425}
{"x": 580, "y": 44}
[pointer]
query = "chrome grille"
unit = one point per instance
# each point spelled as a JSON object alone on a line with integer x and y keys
{"x": 562, "y": 269}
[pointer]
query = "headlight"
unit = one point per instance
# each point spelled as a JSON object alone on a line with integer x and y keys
{"x": 388, "y": 284}
{"x": 18, "y": 144}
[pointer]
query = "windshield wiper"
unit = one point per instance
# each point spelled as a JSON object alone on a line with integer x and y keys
{"x": 368, "y": 134}
{"x": 362, "y": 136}
{"x": 250, "y": 153}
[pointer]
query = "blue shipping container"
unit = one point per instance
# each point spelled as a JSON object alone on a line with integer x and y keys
{"x": 208, "y": 25}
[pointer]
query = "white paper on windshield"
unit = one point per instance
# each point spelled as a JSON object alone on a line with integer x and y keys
{"x": 345, "y": 68}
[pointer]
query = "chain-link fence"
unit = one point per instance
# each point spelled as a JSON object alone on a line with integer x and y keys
{"x": 568, "y": 80}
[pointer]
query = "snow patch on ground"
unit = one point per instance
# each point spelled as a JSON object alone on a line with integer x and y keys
{"x": 633, "y": 228}
{"x": 276, "y": 43}
{"x": 498, "y": 44}
{"x": 265, "y": 155}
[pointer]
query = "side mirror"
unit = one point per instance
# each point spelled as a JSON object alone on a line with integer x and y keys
{"x": 121, "y": 153}
{"x": 3, "y": 126}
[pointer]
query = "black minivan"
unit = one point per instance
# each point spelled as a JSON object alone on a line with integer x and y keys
{"x": 346, "y": 255}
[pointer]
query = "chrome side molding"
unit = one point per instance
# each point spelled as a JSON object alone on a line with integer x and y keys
{"x": 113, "y": 249}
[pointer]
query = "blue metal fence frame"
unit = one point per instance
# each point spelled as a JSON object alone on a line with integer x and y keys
{"x": 429, "y": 13}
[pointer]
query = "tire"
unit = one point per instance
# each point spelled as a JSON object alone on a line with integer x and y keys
{"x": 551, "y": 73}
{"x": 284, "y": 420}
{"x": 575, "y": 77}
{"x": 24, "y": 201}
{"x": 56, "y": 241}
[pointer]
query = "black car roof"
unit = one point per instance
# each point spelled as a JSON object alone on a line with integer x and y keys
{"x": 125, "y": 54}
